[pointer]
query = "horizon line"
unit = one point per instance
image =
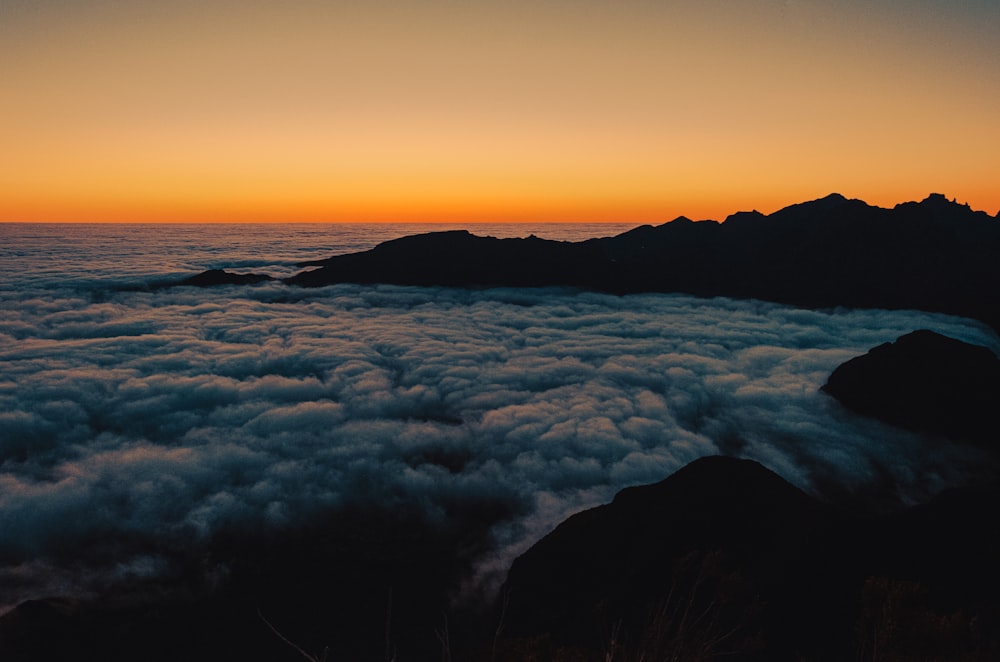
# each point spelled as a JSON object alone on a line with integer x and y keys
{"x": 666, "y": 218}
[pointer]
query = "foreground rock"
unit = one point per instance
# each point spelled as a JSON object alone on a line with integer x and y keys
{"x": 934, "y": 255}
{"x": 725, "y": 558}
{"x": 928, "y": 383}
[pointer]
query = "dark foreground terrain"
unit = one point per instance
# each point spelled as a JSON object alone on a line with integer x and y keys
{"x": 721, "y": 560}
{"x": 726, "y": 560}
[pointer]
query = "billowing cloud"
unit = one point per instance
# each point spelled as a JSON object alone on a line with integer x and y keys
{"x": 147, "y": 420}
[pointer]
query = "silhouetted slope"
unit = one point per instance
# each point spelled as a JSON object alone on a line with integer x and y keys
{"x": 925, "y": 382}
{"x": 725, "y": 554}
{"x": 459, "y": 258}
{"x": 358, "y": 580}
{"x": 732, "y": 524}
{"x": 934, "y": 255}
{"x": 722, "y": 557}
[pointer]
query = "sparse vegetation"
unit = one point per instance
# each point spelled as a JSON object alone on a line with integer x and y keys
{"x": 898, "y": 625}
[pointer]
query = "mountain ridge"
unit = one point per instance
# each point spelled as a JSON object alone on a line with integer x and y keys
{"x": 935, "y": 255}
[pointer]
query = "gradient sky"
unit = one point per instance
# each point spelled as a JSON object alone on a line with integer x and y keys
{"x": 627, "y": 111}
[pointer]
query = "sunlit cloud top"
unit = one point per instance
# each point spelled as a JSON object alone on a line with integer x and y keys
{"x": 487, "y": 111}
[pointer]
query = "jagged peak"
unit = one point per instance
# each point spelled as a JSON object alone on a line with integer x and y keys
{"x": 939, "y": 200}
{"x": 940, "y": 207}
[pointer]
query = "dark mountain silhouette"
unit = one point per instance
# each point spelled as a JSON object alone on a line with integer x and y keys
{"x": 925, "y": 382}
{"x": 220, "y": 277}
{"x": 723, "y": 558}
{"x": 935, "y": 255}
{"x": 726, "y": 558}
{"x": 361, "y": 581}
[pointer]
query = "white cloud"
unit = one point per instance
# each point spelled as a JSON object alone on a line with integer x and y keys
{"x": 178, "y": 412}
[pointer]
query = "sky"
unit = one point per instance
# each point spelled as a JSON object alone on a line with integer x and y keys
{"x": 439, "y": 110}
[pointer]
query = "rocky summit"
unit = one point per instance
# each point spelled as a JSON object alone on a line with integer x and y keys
{"x": 927, "y": 383}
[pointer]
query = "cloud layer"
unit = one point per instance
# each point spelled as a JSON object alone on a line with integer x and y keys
{"x": 136, "y": 422}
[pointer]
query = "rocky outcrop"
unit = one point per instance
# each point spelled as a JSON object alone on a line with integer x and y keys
{"x": 214, "y": 277}
{"x": 928, "y": 383}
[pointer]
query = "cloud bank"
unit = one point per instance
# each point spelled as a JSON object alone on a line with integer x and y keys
{"x": 135, "y": 423}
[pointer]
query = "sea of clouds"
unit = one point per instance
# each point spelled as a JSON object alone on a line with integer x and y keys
{"x": 169, "y": 415}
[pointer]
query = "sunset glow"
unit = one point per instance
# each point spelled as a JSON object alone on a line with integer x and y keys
{"x": 447, "y": 111}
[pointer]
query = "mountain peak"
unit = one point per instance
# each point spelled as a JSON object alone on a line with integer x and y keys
{"x": 830, "y": 204}
{"x": 925, "y": 382}
{"x": 680, "y": 220}
{"x": 744, "y": 217}
{"x": 937, "y": 201}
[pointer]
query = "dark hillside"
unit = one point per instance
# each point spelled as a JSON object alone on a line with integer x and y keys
{"x": 925, "y": 382}
{"x": 725, "y": 559}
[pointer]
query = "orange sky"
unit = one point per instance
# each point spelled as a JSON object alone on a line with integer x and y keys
{"x": 628, "y": 111}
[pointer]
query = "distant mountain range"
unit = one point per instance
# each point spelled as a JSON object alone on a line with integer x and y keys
{"x": 935, "y": 255}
